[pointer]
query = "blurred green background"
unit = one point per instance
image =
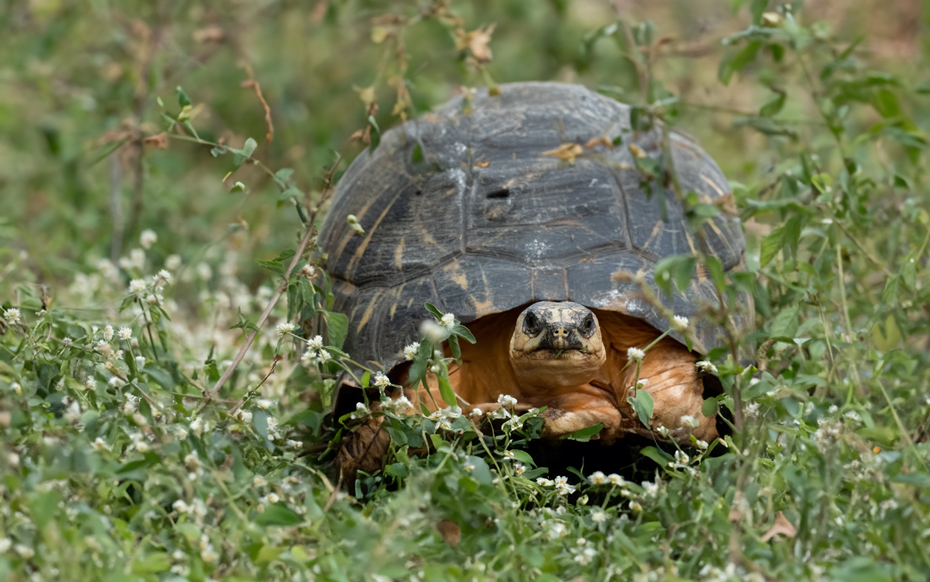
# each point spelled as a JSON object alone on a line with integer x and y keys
{"x": 79, "y": 83}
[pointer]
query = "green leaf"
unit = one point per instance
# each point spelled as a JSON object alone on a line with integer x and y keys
{"x": 785, "y": 324}
{"x": 151, "y": 563}
{"x": 434, "y": 310}
{"x": 278, "y": 514}
{"x": 289, "y": 194}
{"x": 643, "y": 405}
{"x": 375, "y": 132}
{"x": 709, "y": 407}
{"x": 734, "y": 63}
{"x": 244, "y": 323}
{"x": 657, "y": 455}
{"x": 463, "y": 332}
{"x": 774, "y": 106}
{"x": 337, "y": 328}
{"x": 771, "y": 244}
{"x": 445, "y": 389}
{"x": 249, "y": 148}
{"x": 585, "y": 434}
{"x": 183, "y": 100}
{"x": 417, "y": 156}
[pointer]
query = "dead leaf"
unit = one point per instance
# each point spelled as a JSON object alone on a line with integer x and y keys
{"x": 601, "y": 140}
{"x": 566, "y": 151}
{"x": 159, "y": 141}
{"x": 477, "y": 42}
{"x": 781, "y": 526}
{"x": 209, "y": 34}
{"x": 637, "y": 151}
{"x": 450, "y": 531}
{"x": 483, "y": 164}
{"x": 366, "y": 94}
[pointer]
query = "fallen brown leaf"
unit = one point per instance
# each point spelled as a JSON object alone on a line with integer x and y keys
{"x": 781, "y": 526}
{"x": 209, "y": 34}
{"x": 601, "y": 140}
{"x": 566, "y": 151}
{"x": 483, "y": 164}
{"x": 450, "y": 531}
{"x": 159, "y": 141}
{"x": 637, "y": 151}
{"x": 477, "y": 42}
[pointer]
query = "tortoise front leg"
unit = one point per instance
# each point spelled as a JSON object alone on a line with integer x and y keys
{"x": 676, "y": 391}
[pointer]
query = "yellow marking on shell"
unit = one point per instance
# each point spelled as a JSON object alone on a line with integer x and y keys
{"x": 366, "y": 316}
{"x": 399, "y": 255}
{"x": 712, "y": 185}
{"x": 455, "y": 272}
{"x": 399, "y": 292}
{"x": 699, "y": 271}
{"x": 483, "y": 307}
{"x": 713, "y": 225}
{"x": 655, "y": 232}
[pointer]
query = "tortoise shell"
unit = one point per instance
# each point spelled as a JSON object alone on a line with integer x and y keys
{"x": 462, "y": 208}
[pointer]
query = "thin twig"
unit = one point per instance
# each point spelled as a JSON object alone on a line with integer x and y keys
{"x": 261, "y": 320}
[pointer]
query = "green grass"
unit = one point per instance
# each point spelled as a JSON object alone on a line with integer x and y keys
{"x": 114, "y": 465}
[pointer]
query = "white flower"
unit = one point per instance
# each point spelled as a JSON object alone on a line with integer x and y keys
{"x": 5, "y": 545}
{"x": 125, "y": 333}
{"x": 448, "y": 320}
{"x": 325, "y": 356}
{"x": 597, "y": 478}
{"x": 433, "y": 331}
{"x": 315, "y": 343}
{"x": 682, "y": 458}
{"x": 635, "y": 506}
{"x": 663, "y": 431}
{"x": 15, "y": 387}
{"x": 615, "y": 479}
{"x": 519, "y": 469}
{"x": 162, "y": 278}
{"x": 689, "y": 421}
{"x": 544, "y": 482}
{"x": 469, "y": 467}
{"x": 635, "y": 354}
{"x": 308, "y": 271}
{"x": 182, "y": 433}
{"x": 90, "y": 382}
{"x": 115, "y": 382}
{"x": 244, "y": 416}
{"x": 751, "y": 409}
{"x": 73, "y": 412}
{"x": 641, "y": 383}
{"x": 706, "y": 366}
{"x": 263, "y": 403}
{"x": 12, "y": 316}
{"x": 152, "y": 299}
{"x": 284, "y": 328}
{"x": 651, "y": 489}
{"x": 506, "y": 400}
{"x": 118, "y": 355}
{"x": 108, "y": 332}
{"x": 599, "y": 516}
{"x": 476, "y": 412}
{"x": 702, "y": 444}
{"x": 557, "y": 529}
{"x": 100, "y": 445}
{"x": 25, "y": 552}
{"x": 173, "y": 262}
{"x": 140, "y": 361}
{"x": 137, "y": 286}
{"x": 192, "y": 461}
{"x": 293, "y": 444}
{"x": 680, "y": 322}
{"x": 147, "y": 238}
{"x": 381, "y": 381}
{"x": 411, "y": 350}
{"x": 196, "y": 425}
{"x": 204, "y": 271}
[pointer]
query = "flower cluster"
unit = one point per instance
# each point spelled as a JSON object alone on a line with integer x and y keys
{"x": 315, "y": 352}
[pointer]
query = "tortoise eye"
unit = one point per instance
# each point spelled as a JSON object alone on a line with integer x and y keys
{"x": 588, "y": 326}
{"x": 531, "y": 323}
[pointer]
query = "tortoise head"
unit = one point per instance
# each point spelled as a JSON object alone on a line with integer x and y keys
{"x": 556, "y": 345}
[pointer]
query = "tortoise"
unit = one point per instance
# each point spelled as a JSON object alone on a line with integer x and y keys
{"x": 523, "y": 213}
